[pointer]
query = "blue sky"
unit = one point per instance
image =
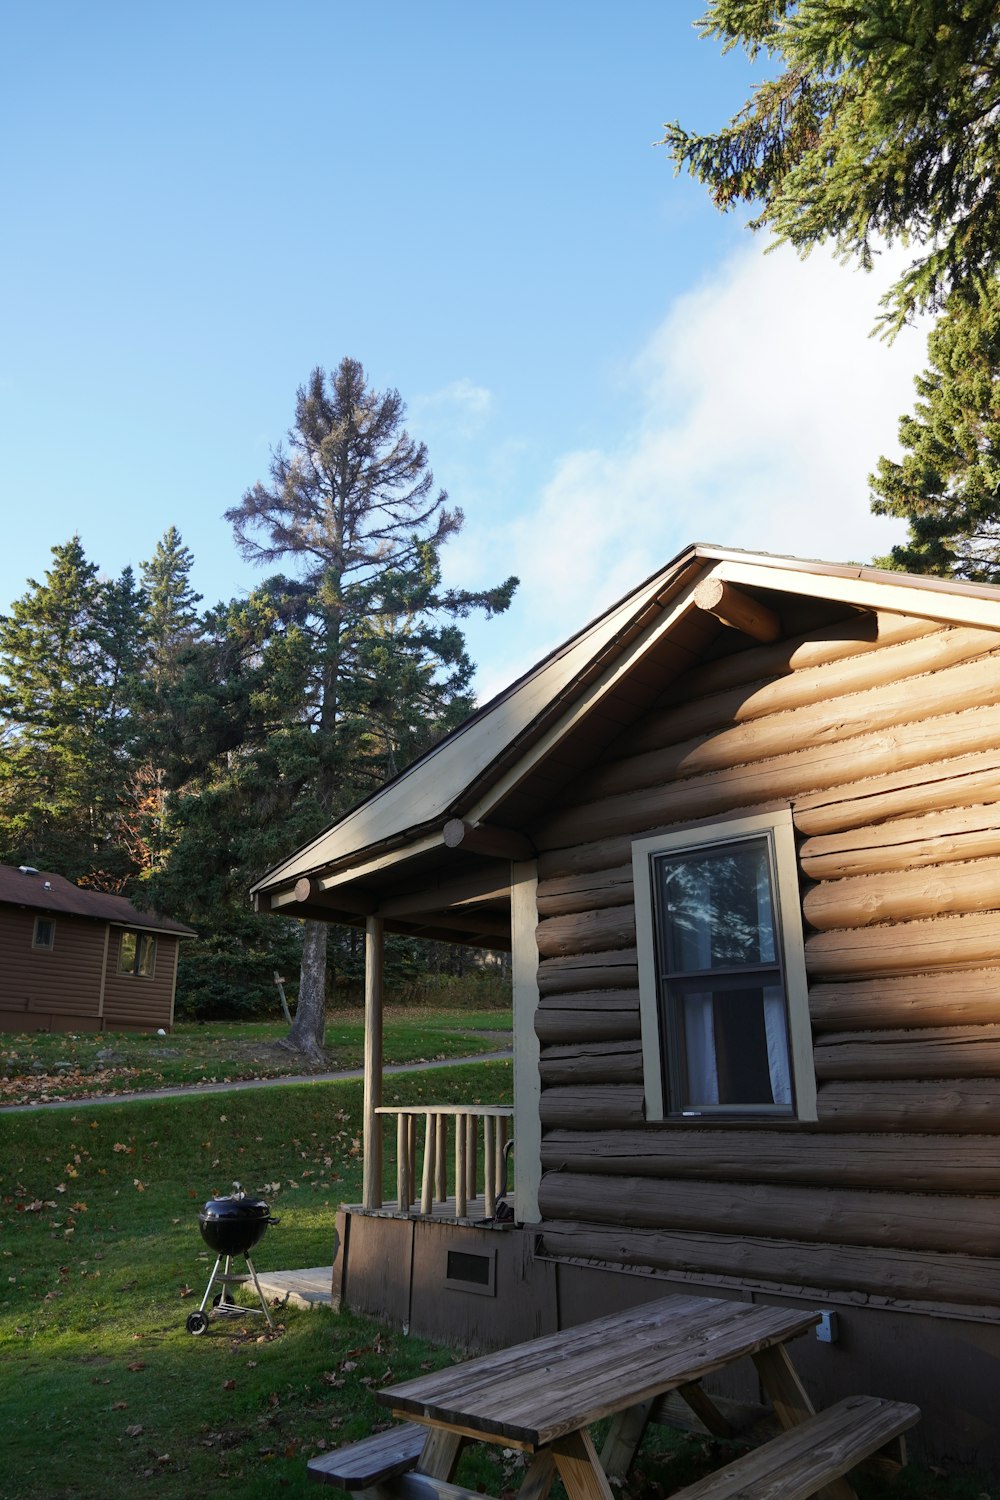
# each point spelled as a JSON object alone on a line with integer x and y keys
{"x": 202, "y": 202}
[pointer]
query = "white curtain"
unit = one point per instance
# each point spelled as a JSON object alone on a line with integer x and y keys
{"x": 699, "y": 1038}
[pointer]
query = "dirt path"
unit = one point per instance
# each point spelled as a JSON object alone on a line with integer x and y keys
{"x": 347, "y": 1075}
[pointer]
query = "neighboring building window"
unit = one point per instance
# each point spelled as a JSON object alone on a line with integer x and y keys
{"x": 45, "y": 933}
{"x": 137, "y": 954}
{"x": 723, "y": 995}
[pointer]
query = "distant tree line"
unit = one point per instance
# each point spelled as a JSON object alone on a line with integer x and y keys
{"x": 172, "y": 753}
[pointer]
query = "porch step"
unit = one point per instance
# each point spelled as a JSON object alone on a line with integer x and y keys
{"x": 309, "y": 1288}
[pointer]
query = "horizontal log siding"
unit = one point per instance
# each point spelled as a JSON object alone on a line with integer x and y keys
{"x": 894, "y": 1191}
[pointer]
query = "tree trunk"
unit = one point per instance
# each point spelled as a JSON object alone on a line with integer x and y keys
{"x": 309, "y": 1027}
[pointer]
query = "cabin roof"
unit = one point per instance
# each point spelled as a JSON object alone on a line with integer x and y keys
{"x": 42, "y": 890}
{"x": 489, "y": 773}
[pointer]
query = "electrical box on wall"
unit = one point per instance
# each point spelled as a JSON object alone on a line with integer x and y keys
{"x": 826, "y": 1328}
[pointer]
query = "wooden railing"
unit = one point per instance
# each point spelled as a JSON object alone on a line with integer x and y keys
{"x": 465, "y": 1142}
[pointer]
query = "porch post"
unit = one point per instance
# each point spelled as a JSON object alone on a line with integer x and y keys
{"x": 371, "y": 1123}
{"x": 527, "y": 1084}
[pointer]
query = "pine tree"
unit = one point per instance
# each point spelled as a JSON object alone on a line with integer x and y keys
{"x": 882, "y": 124}
{"x": 171, "y": 614}
{"x": 947, "y": 486}
{"x": 351, "y": 504}
{"x": 68, "y": 654}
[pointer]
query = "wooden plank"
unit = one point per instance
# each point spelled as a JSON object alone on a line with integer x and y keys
{"x": 809, "y": 1456}
{"x": 589, "y": 1016}
{"x": 761, "y": 700}
{"x": 371, "y": 1128}
{"x": 897, "y": 896}
{"x": 792, "y": 1407}
{"x": 906, "y": 1161}
{"x": 589, "y": 971}
{"x": 684, "y": 794}
{"x": 835, "y": 1216}
{"x": 915, "y": 1278}
{"x": 440, "y": 1452}
{"x": 592, "y": 1062}
{"x": 956, "y": 1107}
{"x": 944, "y": 1052}
{"x": 586, "y": 932}
{"x": 414, "y": 1486}
{"x": 948, "y": 942}
{"x": 582, "y": 892}
{"x": 356, "y": 1466}
{"x": 624, "y": 1435}
{"x": 830, "y": 719}
{"x": 964, "y": 997}
{"x": 959, "y": 782}
{"x": 856, "y": 635}
{"x": 594, "y": 1104}
{"x": 579, "y": 1468}
{"x": 604, "y": 1366}
{"x": 936, "y": 838}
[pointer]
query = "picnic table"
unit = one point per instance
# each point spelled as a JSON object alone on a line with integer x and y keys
{"x": 543, "y": 1396}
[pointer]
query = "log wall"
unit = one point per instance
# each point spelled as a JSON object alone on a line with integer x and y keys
{"x": 881, "y": 734}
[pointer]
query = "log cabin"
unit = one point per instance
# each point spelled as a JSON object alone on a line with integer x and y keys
{"x": 742, "y": 838}
{"x": 82, "y": 960}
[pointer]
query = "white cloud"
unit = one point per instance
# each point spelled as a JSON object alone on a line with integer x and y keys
{"x": 761, "y": 405}
{"x": 461, "y": 404}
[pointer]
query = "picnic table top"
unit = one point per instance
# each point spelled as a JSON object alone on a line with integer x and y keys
{"x": 532, "y": 1393}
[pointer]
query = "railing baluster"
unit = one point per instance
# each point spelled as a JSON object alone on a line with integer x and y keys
{"x": 489, "y": 1165}
{"x": 411, "y": 1152}
{"x": 403, "y": 1194}
{"x": 501, "y": 1141}
{"x": 471, "y": 1135}
{"x": 441, "y": 1159}
{"x": 427, "y": 1188}
{"x": 428, "y": 1180}
{"x": 461, "y": 1197}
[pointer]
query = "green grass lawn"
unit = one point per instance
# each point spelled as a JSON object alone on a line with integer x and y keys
{"x": 101, "y": 1260}
{"x": 41, "y": 1065}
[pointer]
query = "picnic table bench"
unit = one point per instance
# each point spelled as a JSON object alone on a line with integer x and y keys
{"x": 543, "y": 1397}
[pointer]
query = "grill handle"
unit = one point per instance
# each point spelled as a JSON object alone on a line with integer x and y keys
{"x": 272, "y": 1220}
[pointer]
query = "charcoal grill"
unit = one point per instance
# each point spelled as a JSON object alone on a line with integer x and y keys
{"x": 231, "y": 1226}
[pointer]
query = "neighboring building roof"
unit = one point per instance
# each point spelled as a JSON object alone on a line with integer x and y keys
{"x": 469, "y": 773}
{"x": 43, "y": 891}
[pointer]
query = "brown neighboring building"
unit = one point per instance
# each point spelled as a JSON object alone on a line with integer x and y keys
{"x": 742, "y": 837}
{"x": 77, "y": 960}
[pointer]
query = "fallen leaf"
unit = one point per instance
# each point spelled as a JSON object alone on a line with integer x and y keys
{"x": 187, "y": 1291}
{"x": 118, "y": 1405}
{"x": 134, "y": 1431}
{"x": 229, "y": 1385}
{"x": 137, "y": 1364}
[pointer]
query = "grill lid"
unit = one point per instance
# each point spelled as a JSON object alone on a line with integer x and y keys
{"x": 235, "y": 1208}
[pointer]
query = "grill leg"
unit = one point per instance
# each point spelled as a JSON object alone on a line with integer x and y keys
{"x": 211, "y": 1282}
{"x": 260, "y": 1294}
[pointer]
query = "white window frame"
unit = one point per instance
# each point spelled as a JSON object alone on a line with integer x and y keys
{"x": 40, "y": 947}
{"x": 780, "y": 830}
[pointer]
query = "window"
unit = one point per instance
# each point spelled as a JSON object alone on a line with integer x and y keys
{"x": 725, "y": 1016}
{"x": 137, "y": 954}
{"x": 44, "y": 935}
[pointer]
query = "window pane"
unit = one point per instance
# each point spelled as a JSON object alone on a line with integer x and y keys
{"x": 126, "y": 962}
{"x": 147, "y": 949}
{"x": 735, "y": 1046}
{"x": 716, "y": 907}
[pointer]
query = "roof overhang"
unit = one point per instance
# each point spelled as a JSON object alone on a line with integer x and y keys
{"x": 431, "y": 851}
